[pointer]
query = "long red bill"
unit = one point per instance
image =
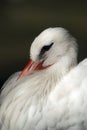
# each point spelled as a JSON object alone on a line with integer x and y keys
{"x": 31, "y": 67}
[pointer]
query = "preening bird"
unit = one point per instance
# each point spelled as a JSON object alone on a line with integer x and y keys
{"x": 51, "y": 92}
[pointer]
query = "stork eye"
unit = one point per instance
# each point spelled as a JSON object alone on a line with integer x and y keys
{"x": 44, "y": 49}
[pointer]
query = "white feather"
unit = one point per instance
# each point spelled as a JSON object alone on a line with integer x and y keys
{"x": 51, "y": 99}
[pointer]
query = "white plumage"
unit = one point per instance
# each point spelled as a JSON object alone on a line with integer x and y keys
{"x": 51, "y": 92}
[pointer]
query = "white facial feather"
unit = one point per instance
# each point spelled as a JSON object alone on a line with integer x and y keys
{"x": 63, "y": 43}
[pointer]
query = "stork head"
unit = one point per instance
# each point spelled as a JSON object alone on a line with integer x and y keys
{"x": 54, "y": 46}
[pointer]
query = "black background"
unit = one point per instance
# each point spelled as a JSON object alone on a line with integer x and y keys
{"x": 22, "y": 20}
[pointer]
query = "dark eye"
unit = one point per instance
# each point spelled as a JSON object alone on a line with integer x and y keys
{"x": 44, "y": 49}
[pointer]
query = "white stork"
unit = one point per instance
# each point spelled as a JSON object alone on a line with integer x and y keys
{"x": 51, "y": 92}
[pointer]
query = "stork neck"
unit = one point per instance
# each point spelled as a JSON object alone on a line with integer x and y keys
{"x": 62, "y": 67}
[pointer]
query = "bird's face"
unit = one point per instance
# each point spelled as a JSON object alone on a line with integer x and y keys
{"x": 47, "y": 49}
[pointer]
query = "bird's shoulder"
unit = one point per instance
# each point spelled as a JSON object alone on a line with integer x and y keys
{"x": 70, "y": 94}
{"x": 78, "y": 73}
{"x": 71, "y": 82}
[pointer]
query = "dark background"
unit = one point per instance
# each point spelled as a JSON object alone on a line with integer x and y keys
{"x": 22, "y": 20}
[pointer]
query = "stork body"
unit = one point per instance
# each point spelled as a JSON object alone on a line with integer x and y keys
{"x": 51, "y": 92}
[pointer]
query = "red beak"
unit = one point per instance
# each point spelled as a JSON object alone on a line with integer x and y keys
{"x": 31, "y": 67}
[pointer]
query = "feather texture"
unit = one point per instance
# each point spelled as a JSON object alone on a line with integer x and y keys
{"x": 50, "y": 99}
